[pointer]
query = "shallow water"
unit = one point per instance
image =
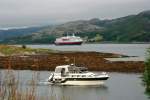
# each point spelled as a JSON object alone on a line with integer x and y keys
{"x": 120, "y": 86}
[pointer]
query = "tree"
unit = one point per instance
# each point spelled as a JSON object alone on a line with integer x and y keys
{"x": 147, "y": 71}
{"x": 24, "y": 46}
{"x": 98, "y": 38}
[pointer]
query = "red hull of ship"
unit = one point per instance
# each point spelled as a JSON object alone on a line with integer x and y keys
{"x": 69, "y": 43}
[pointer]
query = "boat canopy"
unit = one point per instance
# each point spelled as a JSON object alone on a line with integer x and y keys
{"x": 70, "y": 68}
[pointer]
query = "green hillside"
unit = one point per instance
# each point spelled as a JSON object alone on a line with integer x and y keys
{"x": 129, "y": 29}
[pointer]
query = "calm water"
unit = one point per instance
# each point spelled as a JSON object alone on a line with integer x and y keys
{"x": 120, "y": 86}
{"x": 127, "y": 49}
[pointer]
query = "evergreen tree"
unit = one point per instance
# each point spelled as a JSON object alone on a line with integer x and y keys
{"x": 98, "y": 38}
{"x": 147, "y": 71}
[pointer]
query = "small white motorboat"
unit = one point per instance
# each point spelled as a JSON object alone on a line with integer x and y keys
{"x": 73, "y": 75}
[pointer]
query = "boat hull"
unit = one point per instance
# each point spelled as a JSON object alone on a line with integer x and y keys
{"x": 79, "y": 82}
{"x": 68, "y": 43}
{"x": 82, "y": 81}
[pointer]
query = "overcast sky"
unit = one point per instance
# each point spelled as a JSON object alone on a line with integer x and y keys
{"x": 41, "y": 12}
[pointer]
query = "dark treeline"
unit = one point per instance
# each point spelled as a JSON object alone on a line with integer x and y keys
{"x": 147, "y": 72}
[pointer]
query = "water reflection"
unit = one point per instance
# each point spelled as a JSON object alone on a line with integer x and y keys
{"x": 79, "y": 92}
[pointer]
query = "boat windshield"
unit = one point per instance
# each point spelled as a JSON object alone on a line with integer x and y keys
{"x": 83, "y": 69}
{"x": 58, "y": 70}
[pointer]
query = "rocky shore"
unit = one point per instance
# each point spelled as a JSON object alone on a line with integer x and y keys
{"x": 94, "y": 61}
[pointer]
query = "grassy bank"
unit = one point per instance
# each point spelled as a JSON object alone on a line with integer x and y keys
{"x": 8, "y": 50}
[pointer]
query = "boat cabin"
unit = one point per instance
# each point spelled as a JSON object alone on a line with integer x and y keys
{"x": 65, "y": 69}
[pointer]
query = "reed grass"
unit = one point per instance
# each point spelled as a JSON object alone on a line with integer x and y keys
{"x": 11, "y": 88}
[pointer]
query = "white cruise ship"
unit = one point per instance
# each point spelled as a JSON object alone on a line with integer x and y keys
{"x": 69, "y": 40}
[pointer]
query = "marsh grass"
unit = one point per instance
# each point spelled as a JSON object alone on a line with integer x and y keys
{"x": 11, "y": 88}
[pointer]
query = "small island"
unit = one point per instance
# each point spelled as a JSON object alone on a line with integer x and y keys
{"x": 24, "y": 58}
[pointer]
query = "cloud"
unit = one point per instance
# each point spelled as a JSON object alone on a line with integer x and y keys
{"x": 33, "y": 12}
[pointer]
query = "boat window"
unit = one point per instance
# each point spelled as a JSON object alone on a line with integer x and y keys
{"x": 74, "y": 76}
{"x": 83, "y": 69}
{"x": 60, "y": 70}
{"x": 75, "y": 69}
{"x": 63, "y": 72}
{"x": 83, "y": 75}
{"x": 90, "y": 75}
{"x": 78, "y": 75}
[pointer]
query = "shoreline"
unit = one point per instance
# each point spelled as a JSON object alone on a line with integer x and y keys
{"x": 103, "y": 42}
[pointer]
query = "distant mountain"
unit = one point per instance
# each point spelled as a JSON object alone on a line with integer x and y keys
{"x": 132, "y": 28}
{"x": 80, "y": 26}
{"x": 15, "y": 32}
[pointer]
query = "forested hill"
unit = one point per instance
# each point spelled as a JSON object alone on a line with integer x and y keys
{"x": 129, "y": 29}
{"x": 132, "y": 28}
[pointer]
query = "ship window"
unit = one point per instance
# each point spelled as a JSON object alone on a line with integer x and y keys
{"x": 65, "y": 39}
